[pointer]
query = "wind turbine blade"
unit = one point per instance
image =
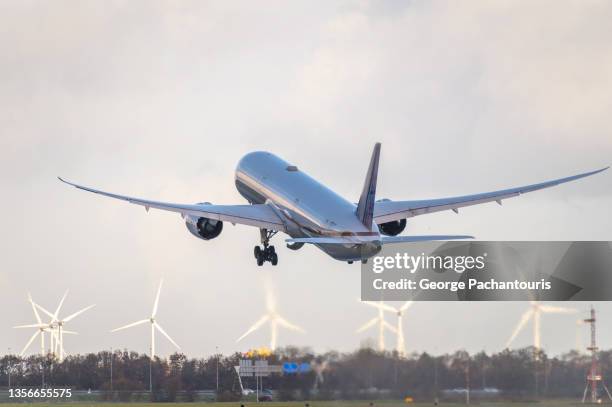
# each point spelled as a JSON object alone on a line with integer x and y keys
{"x": 59, "y": 307}
{"x": 557, "y": 310}
{"x": 160, "y": 329}
{"x": 406, "y": 305}
{"x": 131, "y": 325}
{"x": 524, "y": 319}
{"x": 69, "y": 332}
{"x": 27, "y": 345}
{"x": 31, "y": 326}
{"x": 284, "y": 323}
{"x": 43, "y": 310}
{"x": 78, "y": 313}
{"x": 390, "y": 327}
{"x": 379, "y": 305}
{"x": 367, "y": 325}
{"x": 254, "y": 327}
{"x": 36, "y": 314}
{"x": 156, "y": 303}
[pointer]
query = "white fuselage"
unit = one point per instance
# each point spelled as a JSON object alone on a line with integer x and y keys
{"x": 308, "y": 208}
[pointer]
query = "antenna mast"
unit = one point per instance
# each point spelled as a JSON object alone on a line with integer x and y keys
{"x": 594, "y": 375}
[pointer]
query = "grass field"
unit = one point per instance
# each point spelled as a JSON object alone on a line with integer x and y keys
{"x": 543, "y": 403}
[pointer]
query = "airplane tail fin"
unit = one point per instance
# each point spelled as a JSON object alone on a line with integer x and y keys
{"x": 365, "y": 207}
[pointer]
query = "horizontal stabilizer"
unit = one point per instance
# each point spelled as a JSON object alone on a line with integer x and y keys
{"x": 325, "y": 240}
{"x": 426, "y": 238}
{"x": 367, "y": 239}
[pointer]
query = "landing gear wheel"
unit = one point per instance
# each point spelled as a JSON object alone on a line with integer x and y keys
{"x": 267, "y": 252}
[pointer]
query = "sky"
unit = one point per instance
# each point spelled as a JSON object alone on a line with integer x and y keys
{"x": 160, "y": 99}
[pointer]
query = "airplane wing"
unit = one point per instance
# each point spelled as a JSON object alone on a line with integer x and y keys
{"x": 387, "y": 211}
{"x": 260, "y": 215}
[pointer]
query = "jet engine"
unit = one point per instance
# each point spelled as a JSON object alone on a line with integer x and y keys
{"x": 392, "y": 228}
{"x": 203, "y": 228}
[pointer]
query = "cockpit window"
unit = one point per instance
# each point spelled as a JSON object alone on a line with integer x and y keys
{"x": 292, "y": 168}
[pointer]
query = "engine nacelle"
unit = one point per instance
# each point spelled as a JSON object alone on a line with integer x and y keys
{"x": 203, "y": 228}
{"x": 295, "y": 245}
{"x": 393, "y": 228}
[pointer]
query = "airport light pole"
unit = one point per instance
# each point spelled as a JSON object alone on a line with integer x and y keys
{"x": 151, "y": 372}
{"x": 111, "y": 370}
{"x": 484, "y": 374}
{"x": 436, "y": 380}
{"x": 463, "y": 360}
{"x": 9, "y": 368}
{"x": 467, "y": 381}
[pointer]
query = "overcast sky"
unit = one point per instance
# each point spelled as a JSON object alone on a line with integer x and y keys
{"x": 161, "y": 99}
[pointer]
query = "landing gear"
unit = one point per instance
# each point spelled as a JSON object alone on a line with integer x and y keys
{"x": 267, "y": 253}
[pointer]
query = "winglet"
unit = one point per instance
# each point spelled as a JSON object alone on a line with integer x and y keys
{"x": 365, "y": 207}
{"x": 65, "y": 182}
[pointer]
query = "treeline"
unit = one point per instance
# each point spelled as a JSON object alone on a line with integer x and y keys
{"x": 364, "y": 373}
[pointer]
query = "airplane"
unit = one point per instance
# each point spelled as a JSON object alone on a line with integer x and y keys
{"x": 282, "y": 198}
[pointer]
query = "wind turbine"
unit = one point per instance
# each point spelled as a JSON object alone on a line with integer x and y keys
{"x": 319, "y": 368}
{"x": 40, "y": 329}
{"x": 535, "y": 312}
{"x": 56, "y": 325}
{"x": 380, "y": 320}
{"x": 273, "y": 318}
{"x": 153, "y": 322}
{"x": 399, "y": 329}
